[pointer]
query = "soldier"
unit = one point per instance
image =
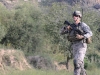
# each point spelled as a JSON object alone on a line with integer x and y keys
{"x": 79, "y": 44}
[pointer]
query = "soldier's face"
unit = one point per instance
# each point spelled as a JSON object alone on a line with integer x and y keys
{"x": 76, "y": 19}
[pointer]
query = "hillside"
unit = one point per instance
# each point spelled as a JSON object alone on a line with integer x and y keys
{"x": 12, "y": 59}
{"x": 84, "y": 2}
{"x": 87, "y": 3}
{"x": 12, "y": 3}
{"x": 16, "y": 61}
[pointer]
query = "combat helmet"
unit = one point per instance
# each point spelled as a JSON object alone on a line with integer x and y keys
{"x": 77, "y": 13}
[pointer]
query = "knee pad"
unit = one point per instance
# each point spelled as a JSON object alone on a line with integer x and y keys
{"x": 77, "y": 64}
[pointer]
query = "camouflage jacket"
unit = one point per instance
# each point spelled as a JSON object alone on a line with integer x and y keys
{"x": 81, "y": 28}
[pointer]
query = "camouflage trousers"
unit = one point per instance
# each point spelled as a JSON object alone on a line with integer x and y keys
{"x": 79, "y": 51}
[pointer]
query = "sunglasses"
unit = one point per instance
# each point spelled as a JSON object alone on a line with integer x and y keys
{"x": 75, "y": 15}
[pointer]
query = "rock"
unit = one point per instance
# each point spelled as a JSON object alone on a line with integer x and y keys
{"x": 40, "y": 62}
{"x": 97, "y": 6}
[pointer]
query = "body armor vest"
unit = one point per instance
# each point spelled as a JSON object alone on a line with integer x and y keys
{"x": 76, "y": 29}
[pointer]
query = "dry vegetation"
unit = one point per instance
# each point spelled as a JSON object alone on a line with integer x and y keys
{"x": 13, "y": 59}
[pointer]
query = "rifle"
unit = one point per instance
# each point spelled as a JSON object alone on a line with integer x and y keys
{"x": 67, "y": 23}
{"x": 70, "y": 27}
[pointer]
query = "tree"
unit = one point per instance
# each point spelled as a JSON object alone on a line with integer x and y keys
{"x": 25, "y": 29}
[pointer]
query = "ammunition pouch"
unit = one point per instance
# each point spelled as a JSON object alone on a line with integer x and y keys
{"x": 89, "y": 40}
{"x": 72, "y": 37}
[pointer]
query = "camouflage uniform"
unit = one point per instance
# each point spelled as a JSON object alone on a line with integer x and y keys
{"x": 79, "y": 50}
{"x": 79, "y": 44}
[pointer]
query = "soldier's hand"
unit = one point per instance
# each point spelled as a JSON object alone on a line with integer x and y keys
{"x": 68, "y": 27}
{"x": 79, "y": 36}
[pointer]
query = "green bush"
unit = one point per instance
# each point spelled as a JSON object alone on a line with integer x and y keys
{"x": 24, "y": 28}
{"x": 89, "y": 66}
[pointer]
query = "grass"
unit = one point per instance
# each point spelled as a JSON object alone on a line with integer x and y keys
{"x": 48, "y": 72}
{"x": 94, "y": 72}
{"x": 37, "y": 72}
